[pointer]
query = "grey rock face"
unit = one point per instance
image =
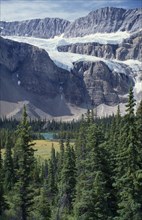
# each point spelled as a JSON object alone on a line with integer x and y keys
{"x": 44, "y": 28}
{"x": 32, "y": 69}
{"x": 106, "y": 20}
{"x": 130, "y": 49}
{"x": 94, "y": 49}
{"x": 102, "y": 84}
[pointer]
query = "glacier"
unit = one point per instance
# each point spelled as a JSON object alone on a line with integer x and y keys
{"x": 65, "y": 60}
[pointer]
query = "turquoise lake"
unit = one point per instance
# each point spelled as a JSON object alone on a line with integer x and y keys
{"x": 48, "y": 136}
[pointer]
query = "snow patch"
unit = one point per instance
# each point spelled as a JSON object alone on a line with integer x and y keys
{"x": 19, "y": 82}
{"x": 138, "y": 86}
{"x": 102, "y": 38}
{"x": 65, "y": 60}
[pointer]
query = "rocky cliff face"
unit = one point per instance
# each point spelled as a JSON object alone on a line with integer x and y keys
{"x": 129, "y": 49}
{"x": 28, "y": 73}
{"x": 32, "y": 69}
{"x": 106, "y": 20}
{"x": 29, "y": 76}
{"x": 44, "y": 28}
{"x": 103, "y": 85}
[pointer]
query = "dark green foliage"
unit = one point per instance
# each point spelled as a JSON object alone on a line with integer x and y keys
{"x": 8, "y": 165}
{"x": 67, "y": 183}
{"x": 52, "y": 188}
{"x": 52, "y": 175}
{"x": 139, "y": 123}
{"x": 92, "y": 195}
{"x": 98, "y": 177}
{"x": 42, "y": 209}
{"x": 129, "y": 168}
{"x": 60, "y": 161}
{"x": 3, "y": 204}
{"x": 25, "y": 165}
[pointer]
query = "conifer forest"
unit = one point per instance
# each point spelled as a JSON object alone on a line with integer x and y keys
{"x": 96, "y": 175}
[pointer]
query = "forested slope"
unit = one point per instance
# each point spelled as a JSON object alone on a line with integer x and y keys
{"x": 98, "y": 178}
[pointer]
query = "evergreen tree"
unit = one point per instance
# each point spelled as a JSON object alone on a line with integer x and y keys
{"x": 37, "y": 173}
{"x": 92, "y": 197}
{"x": 62, "y": 150}
{"x": 24, "y": 169}
{"x": 54, "y": 160}
{"x": 8, "y": 166}
{"x": 3, "y": 204}
{"x": 43, "y": 207}
{"x": 129, "y": 168}
{"x": 51, "y": 182}
{"x": 44, "y": 170}
{"x": 81, "y": 154}
{"x": 139, "y": 123}
{"x": 67, "y": 185}
{"x": 60, "y": 161}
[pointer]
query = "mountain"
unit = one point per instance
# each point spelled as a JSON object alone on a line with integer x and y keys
{"x": 44, "y": 28}
{"x": 104, "y": 85}
{"x": 29, "y": 75}
{"x": 108, "y": 20}
{"x": 130, "y": 48}
{"x": 62, "y": 77}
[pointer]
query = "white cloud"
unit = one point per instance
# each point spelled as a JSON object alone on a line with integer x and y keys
{"x": 68, "y": 9}
{"x": 21, "y": 10}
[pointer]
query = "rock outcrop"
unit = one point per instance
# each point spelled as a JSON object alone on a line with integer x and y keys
{"x": 28, "y": 73}
{"x": 44, "y": 28}
{"x": 129, "y": 49}
{"x": 108, "y": 20}
{"x": 103, "y": 85}
{"x": 102, "y": 20}
{"x": 107, "y": 51}
{"x": 32, "y": 69}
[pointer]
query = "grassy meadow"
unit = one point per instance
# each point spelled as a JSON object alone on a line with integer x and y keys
{"x": 43, "y": 148}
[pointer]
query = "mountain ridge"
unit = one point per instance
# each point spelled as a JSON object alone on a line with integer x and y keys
{"x": 44, "y": 28}
{"x": 130, "y": 48}
{"x": 37, "y": 80}
{"x": 102, "y": 77}
{"x": 108, "y": 19}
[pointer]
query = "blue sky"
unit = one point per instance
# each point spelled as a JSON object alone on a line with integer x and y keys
{"x": 12, "y": 10}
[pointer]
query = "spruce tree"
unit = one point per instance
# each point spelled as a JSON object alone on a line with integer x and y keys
{"x": 43, "y": 208}
{"x": 8, "y": 165}
{"x": 62, "y": 150}
{"x": 111, "y": 145}
{"x": 60, "y": 161}
{"x": 44, "y": 170}
{"x": 81, "y": 156}
{"x": 129, "y": 168}
{"x": 52, "y": 176}
{"x": 92, "y": 196}
{"x": 139, "y": 123}
{"x": 3, "y": 204}
{"x": 51, "y": 182}
{"x": 67, "y": 184}
{"x": 24, "y": 168}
